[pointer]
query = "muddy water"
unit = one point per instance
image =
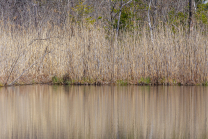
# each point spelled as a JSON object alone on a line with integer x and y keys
{"x": 62, "y": 112}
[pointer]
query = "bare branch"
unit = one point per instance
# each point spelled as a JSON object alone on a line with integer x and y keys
{"x": 126, "y": 3}
{"x": 149, "y": 22}
{"x": 15, "y": 62}
{"x": 119, "y": 17}
{"x": 31, "y": 65}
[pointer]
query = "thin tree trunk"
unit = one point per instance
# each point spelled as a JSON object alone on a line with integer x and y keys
{"x": 149, "y": 21}
{"x": 190, "y": 16}
{"x": 119, "y": 17}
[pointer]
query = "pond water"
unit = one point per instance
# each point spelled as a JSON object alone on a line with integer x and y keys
{"x": 103, "y": 112}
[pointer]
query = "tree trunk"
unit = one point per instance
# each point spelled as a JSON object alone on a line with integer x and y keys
{"x": 190, "y": 16}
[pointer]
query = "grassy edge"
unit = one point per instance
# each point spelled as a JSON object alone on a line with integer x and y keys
{"x": 88, "y": 81}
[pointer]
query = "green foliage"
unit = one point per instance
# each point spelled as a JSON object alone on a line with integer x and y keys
{"x": 82, "y": 11}
{"x": 205, "y": 83}
{"x": 100, "y": 17}
{"x": 1, "y": 85}
{"x": 122, "y": 82}
{"x": 87, "y": 80}
{"x": 64, "y": 80}
{"x": 177, "y": 18}
{"x": 202, "y": 13}
{"x": 130, "y": 13}
{"x": 68, "y": 83}
{"x": 56, "y": 80}
{"x": 179, "y": 83}
{"x": 67, "y": 80}
{"x": 162, "y": 80}
{"x": 144, "y": 80}
{"x": 174, "y": 81}
{"x": 90, "y": 20}
{"x": 33, "y": 82}
{"x": 133, "y": 12}
{"x": 140, "y": 5}
{"x": 125, "y": 19}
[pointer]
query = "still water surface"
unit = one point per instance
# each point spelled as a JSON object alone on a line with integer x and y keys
{"x": 103, "y": 112}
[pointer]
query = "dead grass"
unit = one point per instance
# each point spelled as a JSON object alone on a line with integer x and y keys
{"x": 87, "y": 55}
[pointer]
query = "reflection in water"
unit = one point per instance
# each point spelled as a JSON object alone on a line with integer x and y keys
{"x": 59, "y": 112}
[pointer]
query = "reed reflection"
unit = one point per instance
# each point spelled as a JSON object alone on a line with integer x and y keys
{"x": 58, "y": 112}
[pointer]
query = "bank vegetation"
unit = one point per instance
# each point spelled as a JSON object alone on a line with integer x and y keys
{"x": 82, "y": 45}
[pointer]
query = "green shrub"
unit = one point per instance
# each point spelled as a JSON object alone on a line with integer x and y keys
{"x": 1, "y": 85}
{"x": 202, "y": 13}
{"x": 205, "y": 83}
{"x": 56, "y": 80}
{"x": 144, "y": 80}
{"x": 122, "y": 82}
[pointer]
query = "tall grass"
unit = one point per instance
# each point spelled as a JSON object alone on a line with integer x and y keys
{"x": 87, "y": 54}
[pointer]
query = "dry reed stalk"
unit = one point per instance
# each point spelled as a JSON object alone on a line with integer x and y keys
{"x": 84, "y": 54}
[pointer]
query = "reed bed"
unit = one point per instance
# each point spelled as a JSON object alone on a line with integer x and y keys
{"x": 88, "y": 54}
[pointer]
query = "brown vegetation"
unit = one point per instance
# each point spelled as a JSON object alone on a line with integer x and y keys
{"x": 88, "y": 54}
{"x": 101, "y": 42}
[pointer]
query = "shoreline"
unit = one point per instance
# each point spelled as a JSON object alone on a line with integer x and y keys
{"x": 117, "y": 83}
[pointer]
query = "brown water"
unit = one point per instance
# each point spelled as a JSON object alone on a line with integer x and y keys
{"x": 61, "y": 112}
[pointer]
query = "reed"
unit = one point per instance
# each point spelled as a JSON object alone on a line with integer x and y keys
{"x": 88, "y": 54}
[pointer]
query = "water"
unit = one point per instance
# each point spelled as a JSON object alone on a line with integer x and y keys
{"x": 134, "y": 112}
